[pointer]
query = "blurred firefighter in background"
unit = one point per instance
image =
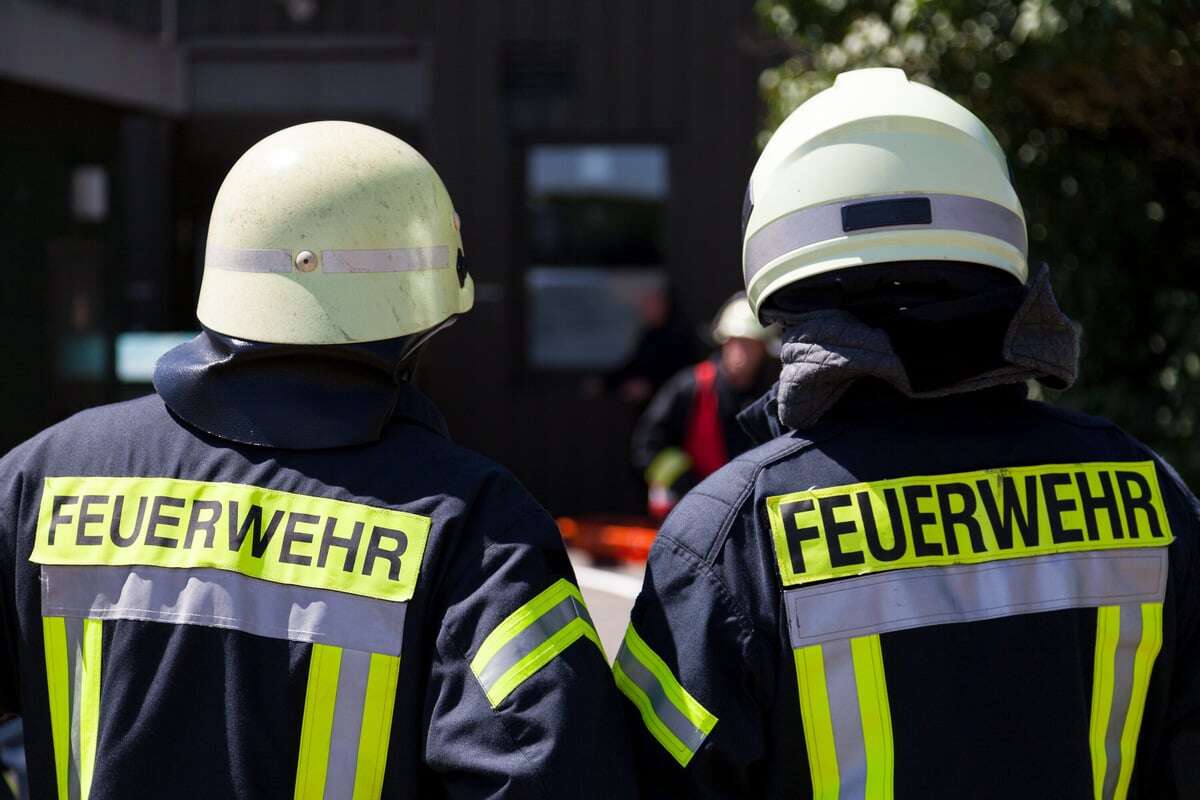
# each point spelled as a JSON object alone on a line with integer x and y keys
{"x": 690, "y": 428}
{"x": 667, "y": 344}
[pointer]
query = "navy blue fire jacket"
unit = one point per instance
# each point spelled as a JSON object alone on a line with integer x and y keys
{"x": 977, "y": 596}
{"x": 186, "y": 616}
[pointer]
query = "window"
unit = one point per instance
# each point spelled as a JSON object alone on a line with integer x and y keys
{"x": 596, "y": 232}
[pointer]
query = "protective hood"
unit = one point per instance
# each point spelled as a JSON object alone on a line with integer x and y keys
{"x": 295, "y": 397}
{"x": 932, "y": 351}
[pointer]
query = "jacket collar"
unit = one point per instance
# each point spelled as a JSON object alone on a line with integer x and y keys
{"x": 959, "y": 347}
{"x": 289, "y": 396}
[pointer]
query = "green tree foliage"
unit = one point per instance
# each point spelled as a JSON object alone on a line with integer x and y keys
{"x": 1097, "y": 103}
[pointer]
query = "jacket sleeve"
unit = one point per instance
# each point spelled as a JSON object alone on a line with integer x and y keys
{"x": 663, "y": 423}
{"x": 692, "y": 671}
{"x": 1183, "y": 702}
{"x": 521, "y": 701}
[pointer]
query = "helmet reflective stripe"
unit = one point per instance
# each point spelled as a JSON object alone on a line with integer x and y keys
{"x": 877, "y": 170}
{"x": 818, "y": 224}
{"x": 331, "y": 233}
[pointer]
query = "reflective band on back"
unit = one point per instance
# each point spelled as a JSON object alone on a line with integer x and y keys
{"x": 73, "y": 667}
{"x": 379, "y": 704}
{"x": 236, "y": 260}
{"x": 875, "y": 710}
{"x": 530, "y": 638}
{"x": 347, "y": 724}
{"x": 817, "y": 720}
{"x": 822, "y": 223}
{"x": 676, "y": 719}
{"x": 283, "y": 537}
{"x": 405, "y": 259}
{"x": 220, "y": 599}
{"x": 847, "y": 719}
{"x": 316, "y": 729}
{"x": 88, "y": 692}
{"x": 940, "y": 595}
{"x": 59, "y": 686}
{"x": 1128, "y": 638}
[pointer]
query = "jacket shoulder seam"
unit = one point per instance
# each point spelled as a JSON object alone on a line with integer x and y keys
{"x": 727, "y": 523}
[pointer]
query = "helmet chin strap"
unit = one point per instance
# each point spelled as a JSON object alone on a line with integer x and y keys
{"x": 414, "y": 345}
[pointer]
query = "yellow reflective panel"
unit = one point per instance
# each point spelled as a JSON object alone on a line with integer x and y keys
{"x": 966, "y": 518}
{"x": 378, "y": 706}
{"x": 1143, "y": 666}
{"x": 317, "y": 727}
{"x": 818, "y": 722}
{"x": 876, "y": 715}
{"x": 58, "y": 685}
{"x": 87, "y": 694}
{"x": 276, "y": 536}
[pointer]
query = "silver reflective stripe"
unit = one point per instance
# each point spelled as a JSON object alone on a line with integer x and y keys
{"x": 1128, "y": 639}
{"x": 842, "y": 686}
{"x": 347, "y": 725}
{"x": 913, "y": 598}
{"x": 236, "y": 260}
{"x": 220, "y": 599}
{"x": 822, "y": 223}
{"x": 74, "y": 626}
{"x": 404, "y": 259}
{"x": 525, "y": 642}
{"x": 672, "y": 717}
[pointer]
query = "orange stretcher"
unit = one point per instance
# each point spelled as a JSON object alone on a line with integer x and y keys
{"x": 610, "y": 537}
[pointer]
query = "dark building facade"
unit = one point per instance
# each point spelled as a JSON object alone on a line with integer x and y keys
{"x": 597, "y": 151}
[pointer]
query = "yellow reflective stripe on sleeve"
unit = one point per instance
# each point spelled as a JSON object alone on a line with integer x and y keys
{"x": 530, "y": 638}
{"x": 282, "y": 537}
{"x": 1128, "y": 639}
{"x": 818, "y": 722}
{"x": 88, "y": 693}
{"x": 667, "y": 467}
{"x": 672, "y": 715}
{"x": 875, "y": 710}
{"x": 58, "y": 685}
{"x": 378, "y": 705}
{"x": 317, "y": 727}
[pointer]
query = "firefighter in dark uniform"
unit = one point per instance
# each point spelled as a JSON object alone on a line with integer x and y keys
{"x": 690, "y": 429}
{"x": 922, "y": 584}
{"x": 278, "y": 577}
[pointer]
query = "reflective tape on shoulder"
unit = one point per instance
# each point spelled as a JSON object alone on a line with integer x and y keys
{"x": 672, "y": 715}
{"x": 531, "y": 637}
{"x": 822, "y": 223}
{"x": 220, "y": 599}
{"x": 913, "y": 598}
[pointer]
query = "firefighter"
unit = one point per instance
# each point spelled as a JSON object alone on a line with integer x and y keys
{"x": 922, "y": 583}
{"x": 277, "y": 577}
{"x": 690, "y": 428}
